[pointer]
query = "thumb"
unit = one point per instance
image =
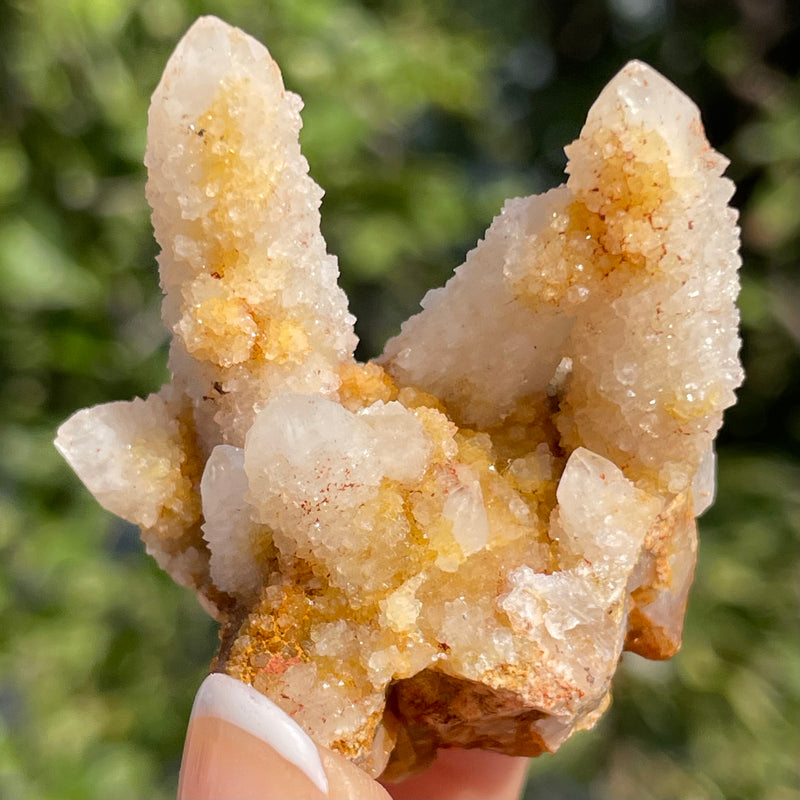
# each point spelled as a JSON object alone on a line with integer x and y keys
{"x": 241, "y": 745}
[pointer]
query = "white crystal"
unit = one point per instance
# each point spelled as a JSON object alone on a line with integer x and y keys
{"x": 704, "y": 485}
{"x": 465, "y": 509}
{"x": 253, "y": 299}
{"x": 306, "y": 447}
{"x": 400, "y": 441}
{"x": 401, "y": 608}
{"x": 128, "y": 456}
{"x": 601, "y": 518}
{"x": 229, "y": 528}
{"x": 481, "y": 377}
{"x": 657, "y": 403}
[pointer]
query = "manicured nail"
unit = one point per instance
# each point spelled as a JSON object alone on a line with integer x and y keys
{"x": 241, "y": 745}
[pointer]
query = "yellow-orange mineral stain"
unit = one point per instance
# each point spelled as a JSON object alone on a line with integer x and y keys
{"x": 220, "y": 330}
{"x": 610, "y": 231}
{"x": 690, "y": 405}
{"x": 632, "y": 175}
{"x": 281, "y": 339}
{"x": 364, "y": 384}
{"x": 234, "y": 326}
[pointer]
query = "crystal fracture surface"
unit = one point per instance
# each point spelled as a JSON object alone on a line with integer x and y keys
{"x": 450, "y": 546}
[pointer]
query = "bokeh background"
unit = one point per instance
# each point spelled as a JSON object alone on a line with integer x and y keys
{"x": 421, "y": 117}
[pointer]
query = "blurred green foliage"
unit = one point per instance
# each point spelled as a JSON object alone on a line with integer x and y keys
{"x": 421, "y": 117}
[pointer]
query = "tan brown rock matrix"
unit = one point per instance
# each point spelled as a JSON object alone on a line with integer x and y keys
{"x": 453, "y": 545}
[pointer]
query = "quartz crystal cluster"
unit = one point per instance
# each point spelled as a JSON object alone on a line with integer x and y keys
{"x": 450, "y": 546}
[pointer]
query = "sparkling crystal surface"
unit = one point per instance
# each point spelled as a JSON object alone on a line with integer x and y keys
{"x": 452, "y": 545}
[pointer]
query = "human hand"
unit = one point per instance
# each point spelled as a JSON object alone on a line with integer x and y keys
{"x": 241, "y": 745}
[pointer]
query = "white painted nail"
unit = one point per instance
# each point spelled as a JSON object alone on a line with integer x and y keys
{"x": 239, "y": 704}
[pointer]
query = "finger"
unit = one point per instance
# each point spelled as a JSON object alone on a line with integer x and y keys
{"x": 466, "y": 775}
{"x": 241, "y": 745}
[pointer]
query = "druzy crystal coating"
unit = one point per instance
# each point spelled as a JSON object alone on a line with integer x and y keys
{"x": 452, "y": 545}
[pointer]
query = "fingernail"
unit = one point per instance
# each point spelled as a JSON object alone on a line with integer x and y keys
{"x": 241, "y": 745}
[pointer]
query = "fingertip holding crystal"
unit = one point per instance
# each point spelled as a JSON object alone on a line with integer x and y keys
{"x": 221, "y": 697}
